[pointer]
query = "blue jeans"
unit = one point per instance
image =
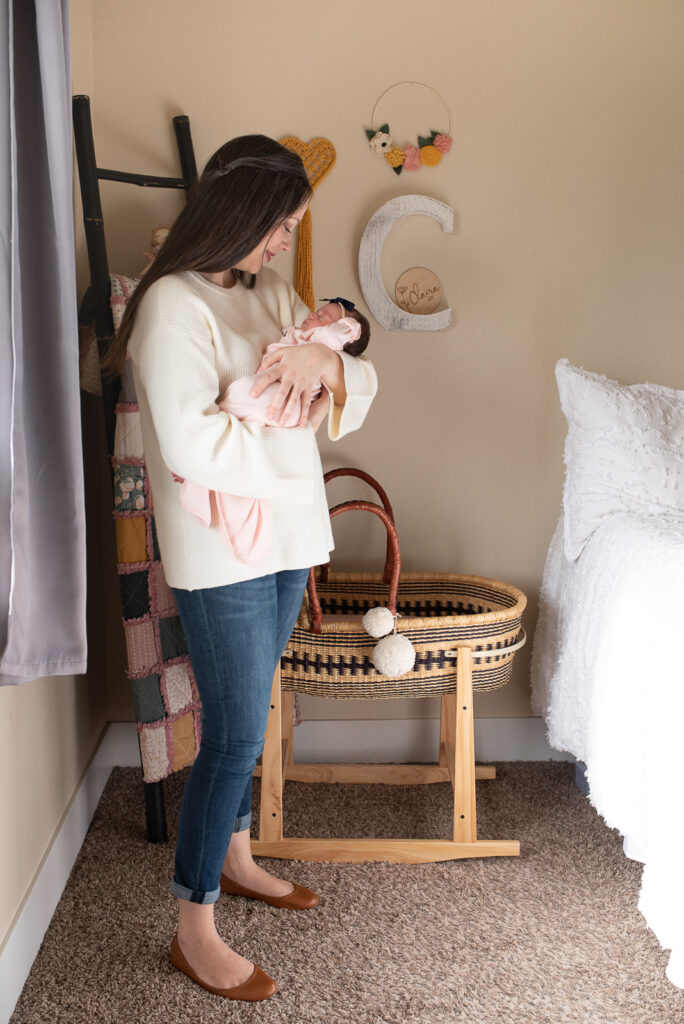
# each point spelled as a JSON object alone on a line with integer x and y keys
{"x": 236, "y": 635}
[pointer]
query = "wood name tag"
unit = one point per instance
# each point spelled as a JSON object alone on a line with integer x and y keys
{"x": 418, "y": 290}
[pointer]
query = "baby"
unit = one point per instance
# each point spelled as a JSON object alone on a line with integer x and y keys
{"x": 246, "y": 523}
{"x": 337, "y": 324}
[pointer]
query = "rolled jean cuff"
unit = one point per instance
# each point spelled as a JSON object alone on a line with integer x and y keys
{"x": 243, "y": 822}
{"x": 183, "y": 893}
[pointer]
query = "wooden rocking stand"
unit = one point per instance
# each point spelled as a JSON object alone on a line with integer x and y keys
{"x": 456, "y": 765}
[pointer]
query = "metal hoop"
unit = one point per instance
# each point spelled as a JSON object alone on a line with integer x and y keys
{"x": 422, "y": 86}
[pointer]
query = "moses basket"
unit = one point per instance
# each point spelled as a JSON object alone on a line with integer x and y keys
{"x": 330, "y": 653}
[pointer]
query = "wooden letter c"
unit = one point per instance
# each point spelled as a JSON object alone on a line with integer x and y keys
{"x": 384, "y": 309}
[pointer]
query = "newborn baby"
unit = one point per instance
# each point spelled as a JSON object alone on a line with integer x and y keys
{"x": 246, "y": 523}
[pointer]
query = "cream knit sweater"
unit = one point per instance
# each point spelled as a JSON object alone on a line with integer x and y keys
{"x": 190, "y": 340}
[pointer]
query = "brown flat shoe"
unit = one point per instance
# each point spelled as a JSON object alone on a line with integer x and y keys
{"x": 258, "y": 986}
{"x": 300, "y": 898}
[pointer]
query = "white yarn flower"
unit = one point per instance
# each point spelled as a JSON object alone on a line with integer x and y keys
{"x": 381, "y": 143}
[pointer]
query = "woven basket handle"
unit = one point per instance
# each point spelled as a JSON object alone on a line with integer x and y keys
{"x": 393, "y": 541}
{"x": 351, "y": 471}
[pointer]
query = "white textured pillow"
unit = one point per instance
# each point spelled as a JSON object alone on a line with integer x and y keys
{"x": 624, "y": 451}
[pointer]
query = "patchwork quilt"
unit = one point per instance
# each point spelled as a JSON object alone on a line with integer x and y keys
{"x": 167, "y": 705}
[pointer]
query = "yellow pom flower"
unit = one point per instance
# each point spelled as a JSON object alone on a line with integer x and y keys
{"x": 430, "y": 156}
{"x": 395, "y": 157}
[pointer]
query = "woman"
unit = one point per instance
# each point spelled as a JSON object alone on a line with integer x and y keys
{"x": 202, "y": 317}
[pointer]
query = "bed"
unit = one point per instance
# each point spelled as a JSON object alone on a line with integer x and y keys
{"x": 607, "y": 671}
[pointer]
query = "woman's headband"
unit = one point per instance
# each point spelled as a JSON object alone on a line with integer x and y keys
{"x": 275, "y": 162}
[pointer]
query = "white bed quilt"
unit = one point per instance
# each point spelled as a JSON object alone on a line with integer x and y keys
{"x": 608, "y": 678}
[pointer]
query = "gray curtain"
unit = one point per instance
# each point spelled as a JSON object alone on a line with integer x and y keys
{"x": 42, "y": 518}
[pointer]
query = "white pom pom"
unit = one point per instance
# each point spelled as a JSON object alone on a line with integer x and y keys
{"x": 394, "y": 656}
{"x": 378, "y": 621}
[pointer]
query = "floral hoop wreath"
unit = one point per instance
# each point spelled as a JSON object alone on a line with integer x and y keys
{"x": 429, "y": 151}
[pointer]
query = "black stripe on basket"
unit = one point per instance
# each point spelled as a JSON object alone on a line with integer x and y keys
{"x": 319, "y": 664}
{"x": 421, "y": 592}
{"x": 378, "y": 687}
{"x": 445, "y": 637}
{"x": 473, "y": 629}
{"x": 451, "y": 634}
{"x": 339, "y": 605}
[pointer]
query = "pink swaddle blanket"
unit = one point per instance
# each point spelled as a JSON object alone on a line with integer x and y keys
{"x": 246, "y": 524}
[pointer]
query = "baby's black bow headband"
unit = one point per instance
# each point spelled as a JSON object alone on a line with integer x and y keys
{"x": 349, "y": 306}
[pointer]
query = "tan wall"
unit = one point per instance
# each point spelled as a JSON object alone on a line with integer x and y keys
{"x": 48, "y": 731}
{"x": 566, "y": 179}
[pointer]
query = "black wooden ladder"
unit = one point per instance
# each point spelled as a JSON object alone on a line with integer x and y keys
{"x": 89, "y": 176}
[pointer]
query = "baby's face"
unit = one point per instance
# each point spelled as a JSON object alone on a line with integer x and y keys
{"x": 328, "y": 314}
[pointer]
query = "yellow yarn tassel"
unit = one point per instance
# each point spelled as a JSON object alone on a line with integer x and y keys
{"x": 318, "y": 157}
{"x": 304, "y": 267}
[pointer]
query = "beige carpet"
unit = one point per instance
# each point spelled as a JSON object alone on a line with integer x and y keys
{"x": 553, "y": 937}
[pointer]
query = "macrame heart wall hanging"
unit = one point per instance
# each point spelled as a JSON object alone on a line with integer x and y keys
{"x": 318, "y": 157}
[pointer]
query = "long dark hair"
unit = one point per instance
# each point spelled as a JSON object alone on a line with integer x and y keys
{"x": 248, "y": 187}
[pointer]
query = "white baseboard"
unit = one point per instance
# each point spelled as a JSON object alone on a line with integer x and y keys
{"x": 370, "y": 740}
{"x": 23, "y": 943}
{"x": 385, "y": 740}
{"x": 120, "y": 745}
{"x": 399, "y": 740}
{"x": 417, "y": 740}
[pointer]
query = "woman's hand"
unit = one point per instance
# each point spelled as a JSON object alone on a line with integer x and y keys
{"x": 298, "y": 368}
{"x": 318, "y": 410}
